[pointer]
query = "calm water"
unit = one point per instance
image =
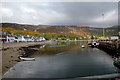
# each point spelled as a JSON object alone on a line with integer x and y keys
{"x": 64, "y": 60}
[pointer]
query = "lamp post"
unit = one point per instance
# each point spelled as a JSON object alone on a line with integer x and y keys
{"x": 103, "y": 26}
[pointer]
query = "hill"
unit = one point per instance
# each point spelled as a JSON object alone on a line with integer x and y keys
{"x": 63, "y": 29}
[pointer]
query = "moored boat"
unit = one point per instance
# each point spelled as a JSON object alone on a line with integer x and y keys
{"x": 117, "y": 62}
{"x": 95, "y": 44}
{"x": 26, "y": 59}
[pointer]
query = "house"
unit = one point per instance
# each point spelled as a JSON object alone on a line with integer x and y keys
{"x": 114, "y": 37}
{"x": 7, "y": 38}
{"x": 10, "y": 38}
{"x": 29, "y": 39}
{"x": 42, "y": 39}
{"x": 20, "y": 39}
{"x": 39, "y": 39}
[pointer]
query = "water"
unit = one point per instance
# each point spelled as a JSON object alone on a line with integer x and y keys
{"x": 64, "y": 60}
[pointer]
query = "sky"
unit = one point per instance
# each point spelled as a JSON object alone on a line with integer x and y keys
{"x": 60, "y": 12}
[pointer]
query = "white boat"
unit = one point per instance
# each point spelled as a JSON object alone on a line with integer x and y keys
{"x": 26, "y": 59}
{"x": 95, "y": 44}
{"x": 83, "y": 46}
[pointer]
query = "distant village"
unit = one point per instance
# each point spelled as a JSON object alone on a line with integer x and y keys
{"x": 10, "y": 38}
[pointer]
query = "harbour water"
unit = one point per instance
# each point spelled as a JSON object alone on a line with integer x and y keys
{"x": 64, "y": 60}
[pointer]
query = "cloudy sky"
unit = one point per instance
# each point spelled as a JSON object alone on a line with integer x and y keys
{"x": 60, "y": 13}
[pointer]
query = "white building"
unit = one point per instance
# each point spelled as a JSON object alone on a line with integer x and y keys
{"x": 42, "y": 38}
{"x": 39, "y": 39}
{"x": 10, "y": 38}
{"x": 7, "y": 38}
{"x": 20, "y": 39}
{"x": 29, "y": 39}
{"x": 114, "y": 37}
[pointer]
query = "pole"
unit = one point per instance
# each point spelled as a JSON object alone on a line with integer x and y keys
{"x": 103, "y": 26}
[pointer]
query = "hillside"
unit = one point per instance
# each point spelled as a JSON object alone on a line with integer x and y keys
{"x": 62, "y": 29}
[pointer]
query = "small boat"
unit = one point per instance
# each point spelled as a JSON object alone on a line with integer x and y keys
{"x": 26, "y": 59}
{"x": 95, "y": 44}
{"x": 117, "y": 62}
{"x": 83, "y": 46}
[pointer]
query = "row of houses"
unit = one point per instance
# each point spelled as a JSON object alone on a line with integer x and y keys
{"x": 8, "y": 38}
{"x": 115, "y": 37}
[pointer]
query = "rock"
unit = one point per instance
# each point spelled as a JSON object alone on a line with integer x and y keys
{"x": 17, "y": 60}
{"x": 6, "y": 67}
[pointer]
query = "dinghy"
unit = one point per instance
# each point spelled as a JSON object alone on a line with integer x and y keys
{"x": 26, "y": 59}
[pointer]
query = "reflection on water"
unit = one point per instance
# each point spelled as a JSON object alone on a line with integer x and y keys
{"x": 57, "y": 46}
{"x": 64, "y": 62}
{"x": 42, "y": 46}
{"x": 53, "y": 49}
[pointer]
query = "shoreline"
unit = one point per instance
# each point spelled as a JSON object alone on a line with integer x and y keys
{"x": 20, "y": 44}
{"x": 11, "y": 51}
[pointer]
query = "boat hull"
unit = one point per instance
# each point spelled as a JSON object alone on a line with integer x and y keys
{"x": 26, "y": 59}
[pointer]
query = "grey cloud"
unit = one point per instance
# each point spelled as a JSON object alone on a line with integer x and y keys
{"x": 75, "y": 13}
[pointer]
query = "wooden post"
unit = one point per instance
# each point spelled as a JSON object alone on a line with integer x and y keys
{"x": 117, "y": 45}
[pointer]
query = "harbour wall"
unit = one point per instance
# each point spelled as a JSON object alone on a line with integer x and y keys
{"x": 110, "y": 48}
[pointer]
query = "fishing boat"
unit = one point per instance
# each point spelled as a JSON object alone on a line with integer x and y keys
{"x": 117, "y": 62}
{"x": 26, "y": 59}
